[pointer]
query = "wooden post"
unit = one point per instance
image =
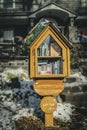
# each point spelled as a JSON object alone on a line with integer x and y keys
{"x": 48, "y": 89}
{"x": 48, "y": 105}
{"x": 48, "y": 119}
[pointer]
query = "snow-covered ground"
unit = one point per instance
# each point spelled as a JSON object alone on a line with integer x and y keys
{"x": 79, "y": 75}
{"x": 64, "y": 112}
{"x": 23, "y": 100}
{"x": 12, "y": 73}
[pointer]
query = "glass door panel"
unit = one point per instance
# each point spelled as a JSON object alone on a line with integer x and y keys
{"x": 49, "y": 47}
{"x": 49, "y": 66}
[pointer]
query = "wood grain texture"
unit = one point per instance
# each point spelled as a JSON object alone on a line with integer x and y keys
{"x": 49, "y": 87}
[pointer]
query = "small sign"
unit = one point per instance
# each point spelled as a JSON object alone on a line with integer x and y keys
{"x": 48, "y": 104}
{"x": 48, "y": 87}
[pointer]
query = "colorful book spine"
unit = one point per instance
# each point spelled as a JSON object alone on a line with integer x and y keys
{"x": 52, "y": 67}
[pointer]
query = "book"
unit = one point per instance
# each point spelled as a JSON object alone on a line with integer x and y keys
{"x": 54, "y": 49}
{"x": 56, "y": 67}
{"x": 50, "y": 66}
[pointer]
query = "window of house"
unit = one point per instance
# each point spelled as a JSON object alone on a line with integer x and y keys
{"x": 82, "y": 35}
{"x": 11, "y": 4}
{"x": 7, "y": 3}
{"x": 8, "y": 35}
{"x": 83, "y": 3}
{"x": 1, "y": 3}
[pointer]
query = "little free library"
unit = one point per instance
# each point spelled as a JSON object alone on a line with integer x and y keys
{"x": 49, "y": 51}
{"x": 49, "y": 63}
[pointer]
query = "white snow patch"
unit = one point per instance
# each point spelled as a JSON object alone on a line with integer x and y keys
{"x": 10, "y": 105}
{"x": 12, "y": 73}
{"x": 24, "y": 112}
{"x": 63, "y": 112}
{"x": 79, "y": 75}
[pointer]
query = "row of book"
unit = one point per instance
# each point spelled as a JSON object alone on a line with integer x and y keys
{"x": 53, "y": 49}
{"x": 52, "y": 67}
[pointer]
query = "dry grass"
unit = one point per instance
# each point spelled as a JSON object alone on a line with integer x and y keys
{"x": 33, "y": 123}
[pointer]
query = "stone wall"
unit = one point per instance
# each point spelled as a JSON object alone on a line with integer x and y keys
{"x": 75, "y": 90}
{"x": 14, "y": 64}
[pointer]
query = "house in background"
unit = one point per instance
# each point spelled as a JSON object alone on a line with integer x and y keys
{"x": 17, "y": 17}
{"x": 81, "y": 23}
{"x": 14, "y": 25}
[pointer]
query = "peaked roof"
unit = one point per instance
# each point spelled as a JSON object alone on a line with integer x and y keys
{"x": 33, "y": 34}
{"x": 53, "y": 6}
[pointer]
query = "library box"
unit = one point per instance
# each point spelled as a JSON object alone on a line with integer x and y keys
{"x": 49, "y": 52}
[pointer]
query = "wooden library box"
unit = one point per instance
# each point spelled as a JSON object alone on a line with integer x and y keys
{"x": 49, "y": 52}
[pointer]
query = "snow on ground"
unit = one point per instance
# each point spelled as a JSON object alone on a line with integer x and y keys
{"x": 25, "y": 98}
{"x": 81, "y": 80}
{"x": 24, "y": 112}
{"x": 79, "y": 75}
{"x": 63, "y": 112}
{"x": 12, "y": 73}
